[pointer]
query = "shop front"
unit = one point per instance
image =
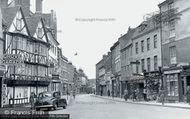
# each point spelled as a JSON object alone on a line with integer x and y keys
{"x": 172, "y": 80}
{"x": 176, "y": 81}
{"x": 55, "y": 83}
{"x": 103, "y": 89}
{"x": 136, "y": 83}
{"x": 152, "y": 84}
{"x": 2, "y": 98}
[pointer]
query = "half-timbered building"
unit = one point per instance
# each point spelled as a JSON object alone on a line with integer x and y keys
{"x": 27, "y": 37}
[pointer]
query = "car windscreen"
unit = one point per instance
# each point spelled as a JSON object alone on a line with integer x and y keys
{"x": 47, "y": 95}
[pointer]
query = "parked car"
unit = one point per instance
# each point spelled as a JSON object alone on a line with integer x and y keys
{"x": 50, "y": 100}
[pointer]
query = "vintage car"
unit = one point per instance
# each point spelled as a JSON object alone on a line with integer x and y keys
{"x": 50, "y": 100}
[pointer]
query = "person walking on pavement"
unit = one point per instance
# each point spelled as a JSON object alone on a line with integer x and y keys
{"x": 32, "y": 96}
{"x": 145, "y": 94}
{"x": 112, "y": 92}
{"x": 134, "y": 95}
{"x": 108, "y": 93}
{"x": 101, "y": 92}
{"x": 188, "y": 94}
{"x": 162, "y": 96}
{"x": 137, "y": 95}
{"x": 74, "y": 94}
{"x": 125, "y": 94}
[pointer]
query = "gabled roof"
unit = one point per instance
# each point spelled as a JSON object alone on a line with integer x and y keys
{"x": 32, "y": 23}
{"x": 9, "y": 15}
{"x": 49, "y": 32}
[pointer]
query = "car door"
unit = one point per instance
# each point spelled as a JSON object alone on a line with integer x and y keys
{"x": 57, "y": 95}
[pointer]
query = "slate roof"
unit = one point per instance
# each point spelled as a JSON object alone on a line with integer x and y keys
{"x": 9, "y": 14}
{"x": 32, "y": 20}
{"x": 32, "y": 23}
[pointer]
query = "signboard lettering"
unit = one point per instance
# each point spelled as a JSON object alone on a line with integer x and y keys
{"x": 12, "y": 59}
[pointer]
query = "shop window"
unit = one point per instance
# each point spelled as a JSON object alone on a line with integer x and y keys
{"x": 172, "y": 85}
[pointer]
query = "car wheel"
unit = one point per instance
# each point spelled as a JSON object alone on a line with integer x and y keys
{"x": 64, "y": 107}
{"x": 37, "y": 109}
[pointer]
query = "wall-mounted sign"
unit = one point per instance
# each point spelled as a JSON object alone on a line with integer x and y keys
{"x": 12, "y": 59}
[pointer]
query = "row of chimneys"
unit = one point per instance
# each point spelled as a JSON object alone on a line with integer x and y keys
{"x": 24, "y": 3}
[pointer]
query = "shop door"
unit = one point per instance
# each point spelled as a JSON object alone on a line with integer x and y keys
{"x": 188, "y": 80}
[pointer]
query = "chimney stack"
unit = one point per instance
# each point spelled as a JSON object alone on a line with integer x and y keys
{"x": 39, "y": 6}
{"x": 25, "y": 4}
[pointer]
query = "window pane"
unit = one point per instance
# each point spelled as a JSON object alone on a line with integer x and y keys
{"x": 148, "y": 44}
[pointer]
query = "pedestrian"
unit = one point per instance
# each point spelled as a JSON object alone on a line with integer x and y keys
{"x": 137, "y": 95}
{"x": 134, "y": 95}
{"x": 101, "y": 92}
{"x": 125, "y": 94}
{"x": 145, "y": 94}
{"x": 112, "y": 93}
{"x": 74, "y": 94}
{"x": 188, "y": 94}
{"x": 108, "y": 93}
{"x": 32, "y": 96}
{"x": 162, "y": 96}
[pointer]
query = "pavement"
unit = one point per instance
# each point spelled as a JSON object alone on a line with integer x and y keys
{"x": 95, "y": 107}
{"x": 150, "y": 103}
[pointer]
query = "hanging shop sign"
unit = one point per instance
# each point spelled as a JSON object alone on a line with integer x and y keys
{"x": 12, "y": 59}
{"x": 4, "y": 90}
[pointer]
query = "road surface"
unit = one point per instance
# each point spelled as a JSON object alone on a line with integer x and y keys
{"x": 90, "y": 107}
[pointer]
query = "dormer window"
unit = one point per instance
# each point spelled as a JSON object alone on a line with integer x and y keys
{"x": 170, "y": 5}
{"x": 19, "y": 21}
{"x": 40, "y": 32}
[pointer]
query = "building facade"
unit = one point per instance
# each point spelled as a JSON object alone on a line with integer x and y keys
{"x": 26, "y": 35}
{"x": 175, "y": 37}
{"x": 126, "y": 59}
{"x": 66, "y": 73}
{"x": 146, "y": 57}
{"x": 103, "y": 75}
{"x": 116, "y": 69}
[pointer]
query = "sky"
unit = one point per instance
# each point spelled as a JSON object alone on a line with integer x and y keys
{"x": 90, "y": 27}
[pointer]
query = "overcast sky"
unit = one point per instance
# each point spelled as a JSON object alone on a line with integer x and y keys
{"x": 92, "y": 39}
